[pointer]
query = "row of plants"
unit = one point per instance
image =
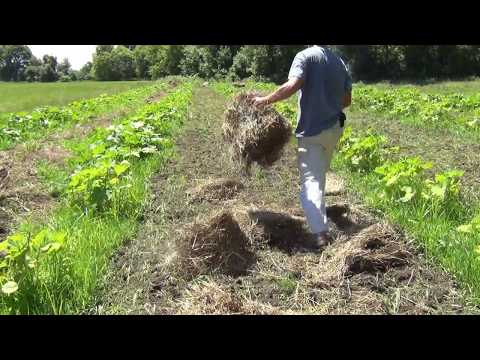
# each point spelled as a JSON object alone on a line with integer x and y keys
{"x": 21, "y": 126}
{"x": 56, "y": 266}
{"x": 411, "y": 105}
{"x": 429, "y": 206}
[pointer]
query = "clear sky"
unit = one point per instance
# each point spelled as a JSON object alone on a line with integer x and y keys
{"x": 78, "y": 55}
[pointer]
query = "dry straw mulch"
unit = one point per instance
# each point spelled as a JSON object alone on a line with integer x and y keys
{"x": 255, "y": 135}
{"x": 214, "y": 245}
{"x": 216, "y": 190}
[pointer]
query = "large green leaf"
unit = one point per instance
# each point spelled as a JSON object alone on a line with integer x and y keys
{"x": 9, "y": 287}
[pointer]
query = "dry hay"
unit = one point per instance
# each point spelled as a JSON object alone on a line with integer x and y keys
{"x": 334, "y": 185}
{"x": 216, "y": 245}
{"x": 208, "y": 298}
{"x": 211, "y": 298}
{"x": 377, "y": 249}
{"x": 256, "y": 135}
{"x": 217, "y": 189}
{"x": 54, "y": 154}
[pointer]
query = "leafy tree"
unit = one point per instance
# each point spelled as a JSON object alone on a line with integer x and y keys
{"x": 85, "y": 72}
{"x": 119, "y": 64}
{"x": 13, "y": 61}
{"x": 192, "y": 57}
{"x": 104, "y": 48}
{"x": 102, "y": 66}
{"x": 48, "y": 71}
{"x": 173, "y": 56}
{"x": 123, "y": 63}
{"x": 64, "y": 67}
{"x": 145, "y": 57}
{"x": 32, "y": 71}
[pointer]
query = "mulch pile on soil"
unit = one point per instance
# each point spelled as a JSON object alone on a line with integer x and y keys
{"x": 216, "y": 190}
{"x": 215, "y": 245}
{"x": 255, "y": 135}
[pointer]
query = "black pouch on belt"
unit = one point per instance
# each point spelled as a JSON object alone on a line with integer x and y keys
{"x": 342, "y": 119}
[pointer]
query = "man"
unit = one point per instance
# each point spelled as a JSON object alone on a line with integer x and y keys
{"x": 325, "y": 90}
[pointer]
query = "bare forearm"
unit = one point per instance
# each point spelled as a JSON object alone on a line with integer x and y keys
{"x": 282, "y": 93}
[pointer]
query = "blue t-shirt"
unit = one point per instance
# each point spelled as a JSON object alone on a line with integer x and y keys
{"x": 326, "y": 81}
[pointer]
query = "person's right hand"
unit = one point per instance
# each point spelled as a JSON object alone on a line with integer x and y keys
{"x": 259, "y": 101}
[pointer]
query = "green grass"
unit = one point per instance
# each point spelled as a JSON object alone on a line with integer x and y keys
{"x": 65, "y": 283}
{"x": 27, "y": 96}
{"x": 65, "y": 280}
{"x": 441, "y": 87}
{"x": 24, "y": 126}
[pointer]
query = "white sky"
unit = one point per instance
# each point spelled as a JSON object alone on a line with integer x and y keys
{"x": 78, "y": 55}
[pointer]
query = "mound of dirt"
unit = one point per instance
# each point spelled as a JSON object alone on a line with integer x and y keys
{"x": 374, "y": 250}
{"x": 216, "y": 190}
{"x": 378, "y": 249}
{"x": 217, "y": 245}
{"x": 155, "y": 97}
{"x": 256, "y": 135}
{"x": 174, "y": 82}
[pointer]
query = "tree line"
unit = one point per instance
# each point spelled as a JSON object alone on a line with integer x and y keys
{"x": 234, "y": 62}
{"x": 17, "y": 63}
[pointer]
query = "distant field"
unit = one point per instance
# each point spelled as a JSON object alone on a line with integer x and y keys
{"x": 444, "y": 87}
{"x": 27, "y": 96}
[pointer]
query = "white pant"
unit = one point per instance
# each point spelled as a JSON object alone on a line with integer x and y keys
{"x": 314, "y": 158}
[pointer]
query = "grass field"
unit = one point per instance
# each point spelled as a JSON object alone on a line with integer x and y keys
{"x": 95, "y": 215}
{"x": 27, "y": 96}
{"x": 441, "y": 87}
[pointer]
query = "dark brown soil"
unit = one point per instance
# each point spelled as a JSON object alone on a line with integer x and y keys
{"x": 371, "y": 268}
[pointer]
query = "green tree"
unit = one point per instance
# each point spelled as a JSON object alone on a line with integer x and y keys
{"x": 173, "y": 56}
{"x": 119, "y": 64}
{"x": 32, "y": 71}
{"x": 145, "y": 56}
{"x": 85, "y": 72}
{"x": 123, "y": 63}
{"x": 64, "y": 68}
{"x": 104, "y": 48}
{"x": 13, "y": 61}
{"x": 103, "y": 66}
{"x": 48, "y": 70}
